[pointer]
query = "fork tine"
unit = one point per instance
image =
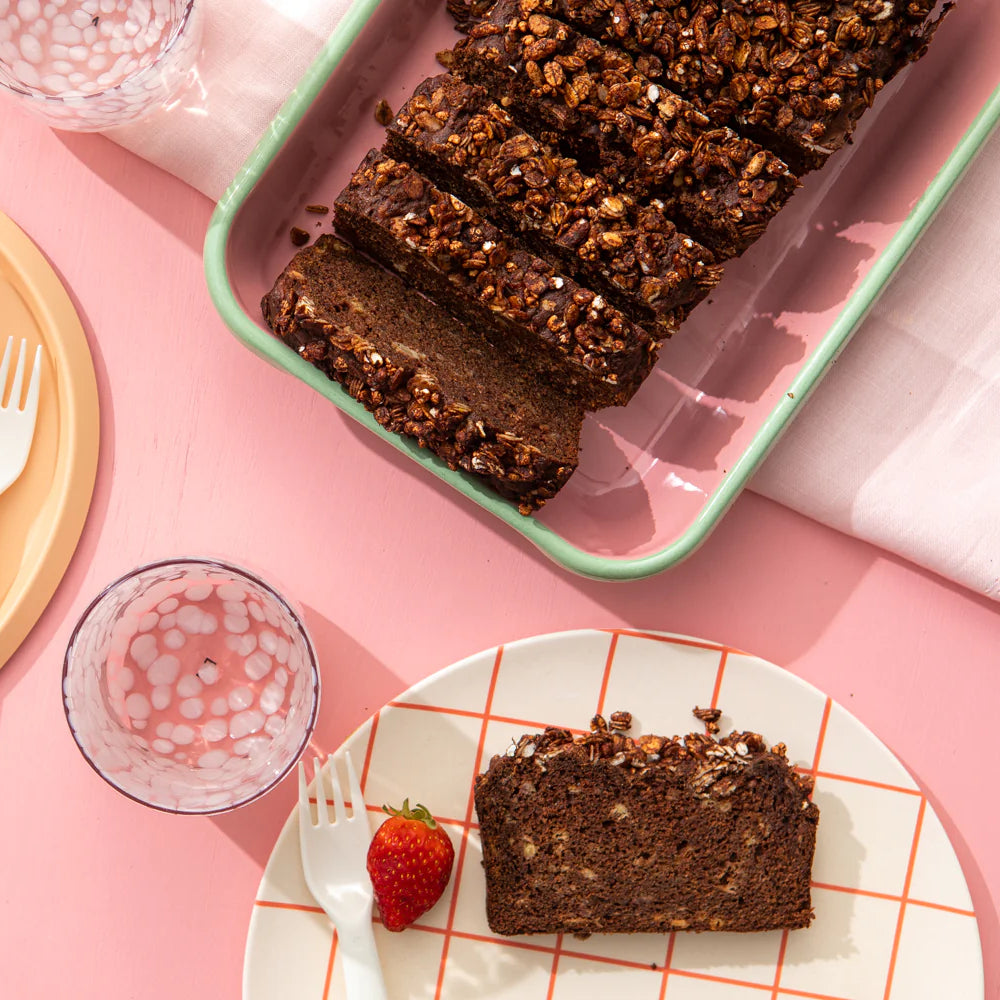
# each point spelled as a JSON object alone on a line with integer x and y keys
{"x": 305, "y": 817}
{"x": 322, "y": 807}
{"x": 15, "y": 386}
{"x": 31, "y": 403}
{"x": 339, "y": 811}
{"x": 354, "y": 787}
{"x": 5, "y": 366}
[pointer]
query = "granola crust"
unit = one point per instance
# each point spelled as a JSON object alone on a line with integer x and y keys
{"x": 796, "y": 74}
{"x": 628, "y": 250}
{"x": 566, "y": 332}
{"x": 364, "y": 329}
{"x": 721, "y": 187}
{"x": 468, "y": 12}
{"x": 605, "y": 833}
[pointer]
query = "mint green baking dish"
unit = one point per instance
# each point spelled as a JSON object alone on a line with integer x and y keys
{"x": 656, "y": 476}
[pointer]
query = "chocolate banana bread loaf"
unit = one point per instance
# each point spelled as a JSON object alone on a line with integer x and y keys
{"x": 568, "y": 335}
{"x": 605, "y": 833}
{"x": 423, "y": 374}
{"x": 629, "y": 251}
{"x": 589, "y": 97}
{"x": 797, "y": 76}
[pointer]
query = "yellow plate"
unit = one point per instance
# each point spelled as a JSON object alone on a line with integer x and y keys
{"x": 43, "y": 513}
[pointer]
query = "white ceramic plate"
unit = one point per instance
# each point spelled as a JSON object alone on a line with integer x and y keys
{"x": 894, "y": 920}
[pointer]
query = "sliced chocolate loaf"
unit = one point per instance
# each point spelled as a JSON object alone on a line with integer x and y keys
{"x": 796, "y": 75}
{"x": 424, "y": 374}
{"x": 604, "y": 833}
{"x": 567, "y": 335}
{"x": 590, "y": 98}
{"x": 630, "y": 251}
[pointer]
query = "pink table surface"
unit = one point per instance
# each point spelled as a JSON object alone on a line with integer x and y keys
{"x": 208, "y": 450}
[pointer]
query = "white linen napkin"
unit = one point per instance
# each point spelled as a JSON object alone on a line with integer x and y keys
{"x": 898, "y": 446}
{"x": 254, "y": 53}
{"x": 900, "y": 443}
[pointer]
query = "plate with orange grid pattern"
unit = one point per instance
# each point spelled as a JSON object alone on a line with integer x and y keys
{"x": 888, "y": 891}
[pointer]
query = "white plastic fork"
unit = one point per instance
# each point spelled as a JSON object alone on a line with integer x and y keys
{"x": 17, "y": 425}
{"x": 333, "y": 859}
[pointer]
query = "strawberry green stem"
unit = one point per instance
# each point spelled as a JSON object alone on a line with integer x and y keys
{"x": 419, "y": 813}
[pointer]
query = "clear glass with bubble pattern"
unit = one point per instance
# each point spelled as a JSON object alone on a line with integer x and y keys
{"x": 191, "y": 685}
{"x": 90, "y": 65}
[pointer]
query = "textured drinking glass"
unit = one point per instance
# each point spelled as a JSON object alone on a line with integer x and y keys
{"x": 191, "y": 685}
{"x": 88, "y": 65}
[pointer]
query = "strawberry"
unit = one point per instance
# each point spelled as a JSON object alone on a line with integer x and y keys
{"x": 409, "y": 862}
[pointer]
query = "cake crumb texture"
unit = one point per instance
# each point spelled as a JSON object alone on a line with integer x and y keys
{"x": 605, "y": 833}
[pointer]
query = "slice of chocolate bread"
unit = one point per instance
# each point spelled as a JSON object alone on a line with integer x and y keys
{"x": 627, "y": 250}
{"x": 424, "y": 374}
{"x": 604, "y": 833}
{"x": 569, "y": 335}
{"x": 718, "y": 186}
{"x": 795, "y": 76}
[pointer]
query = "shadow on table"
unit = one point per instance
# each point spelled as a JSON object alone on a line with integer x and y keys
{"x": 255, "y": 827}
{"x": 777, "y": 605}
{"x": 147, "y": 186}
{"x": 756, "y": 540}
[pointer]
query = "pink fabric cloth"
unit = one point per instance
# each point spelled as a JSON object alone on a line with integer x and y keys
{"x": 900, "y": 445}
{"x": 253, "y": 55}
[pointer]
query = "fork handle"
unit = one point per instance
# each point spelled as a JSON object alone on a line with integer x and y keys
{"x": 362, "y": 969}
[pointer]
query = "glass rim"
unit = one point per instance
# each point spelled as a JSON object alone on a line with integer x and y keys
{"x": 250, "y": 575}
{"x": 81, "y": 100}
